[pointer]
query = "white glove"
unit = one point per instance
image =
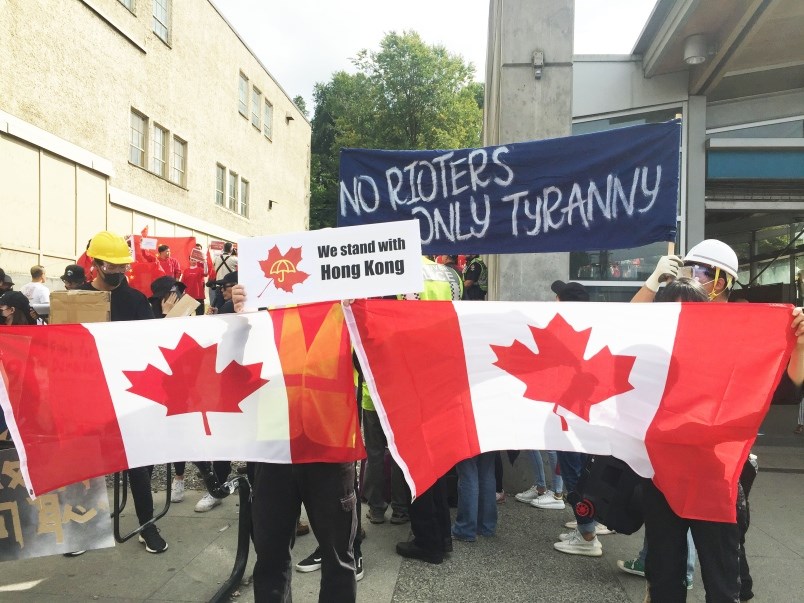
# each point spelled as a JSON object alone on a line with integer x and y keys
{"x": 667, "y": 267}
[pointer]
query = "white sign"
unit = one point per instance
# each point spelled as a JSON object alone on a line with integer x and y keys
{"x": 146, "y": 243}
{"x": 331, "y": 264}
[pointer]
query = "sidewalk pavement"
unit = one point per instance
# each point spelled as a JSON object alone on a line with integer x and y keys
{"x": 518, "y": 565}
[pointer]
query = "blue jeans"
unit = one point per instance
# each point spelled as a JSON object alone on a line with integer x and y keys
{"x": 691, "y": 556}
{"x": 477, "y": 505}
{"x": 538, "y": 467}
{"x": 572, "y": 463}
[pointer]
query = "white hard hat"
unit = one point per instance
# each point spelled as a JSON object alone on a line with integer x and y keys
{"x": 714, "y": 253}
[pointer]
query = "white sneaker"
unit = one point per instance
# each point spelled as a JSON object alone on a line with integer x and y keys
{"x": 528, "y": 495}
{"x": 548, "y": 500}
{"x": 207, "y": 503}
{"x": 576, "y": 545}
{"x": 177, "y": 491}
{"x": 571, "y": 525}
{"x": 569, "y": 535}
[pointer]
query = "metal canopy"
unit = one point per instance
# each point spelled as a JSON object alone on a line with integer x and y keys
{"x": 752, "y": 46}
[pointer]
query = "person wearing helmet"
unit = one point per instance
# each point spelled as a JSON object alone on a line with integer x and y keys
{"x": 111, "y": 259}
{"x": 711, "y": 262}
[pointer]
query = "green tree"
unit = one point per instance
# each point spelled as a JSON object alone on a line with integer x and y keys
{"x": 298, "y": 100}
{"x": 407, "y": 95}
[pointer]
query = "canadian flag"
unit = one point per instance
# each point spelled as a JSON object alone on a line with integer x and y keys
{"x": 87, "y": 400}
{"x": 678, "y": 391}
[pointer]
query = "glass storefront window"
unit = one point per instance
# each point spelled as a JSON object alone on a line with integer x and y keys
{"x": 786, "y": 129}
{"x": 621, "y": 121}
{"x": 610, "y": 294}
{"x": 617, "y": 265}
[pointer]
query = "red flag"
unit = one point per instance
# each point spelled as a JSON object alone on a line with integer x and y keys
{"x": 88, "y": 400}
{"x": 210, "y": 267}
{"x": 678, "y": 391}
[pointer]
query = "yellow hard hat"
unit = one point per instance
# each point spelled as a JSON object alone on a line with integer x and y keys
{"x": 109, "y": 247}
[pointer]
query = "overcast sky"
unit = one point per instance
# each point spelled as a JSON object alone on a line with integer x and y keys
{"x": 302, "y": 42}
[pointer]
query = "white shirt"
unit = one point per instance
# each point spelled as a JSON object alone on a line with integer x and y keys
{"x": 37, "y": 293}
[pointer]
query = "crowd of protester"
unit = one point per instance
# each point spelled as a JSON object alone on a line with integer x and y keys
{"x": 333, "y": 492}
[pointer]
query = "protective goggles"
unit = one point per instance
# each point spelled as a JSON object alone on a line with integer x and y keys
{"x": 698, "y": 271}
{"x": 114, "y": 268}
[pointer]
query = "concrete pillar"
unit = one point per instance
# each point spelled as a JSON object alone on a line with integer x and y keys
{"x": 521, "y": 106}
{"x": 696, "y": 170}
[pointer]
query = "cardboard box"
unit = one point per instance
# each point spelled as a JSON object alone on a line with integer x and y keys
{"x": 69, "y": 307}
{"x": 184, "y": 307}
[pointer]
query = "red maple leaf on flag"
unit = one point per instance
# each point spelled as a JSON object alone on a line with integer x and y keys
{"x": 193, "y": 385}
{"x": 281, "y": 269}
{"x": 559, "y": 373}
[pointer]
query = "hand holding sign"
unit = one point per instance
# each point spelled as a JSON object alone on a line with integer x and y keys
{"x": 330, "y": 264}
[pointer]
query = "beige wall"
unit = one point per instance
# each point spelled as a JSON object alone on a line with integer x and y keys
{"x": 50, "y": 207}
{"x": 75, "y": 69}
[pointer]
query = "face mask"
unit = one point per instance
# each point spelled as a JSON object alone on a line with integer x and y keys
{"x": 112, "y": 279}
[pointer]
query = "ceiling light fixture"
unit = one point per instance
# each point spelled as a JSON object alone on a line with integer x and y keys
{"x": 695, "y": 49}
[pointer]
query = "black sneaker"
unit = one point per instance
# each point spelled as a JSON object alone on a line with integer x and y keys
{"x": 359, "y": 573}
{"x": 311, "y": 563}
{"x": 153, "y": 542}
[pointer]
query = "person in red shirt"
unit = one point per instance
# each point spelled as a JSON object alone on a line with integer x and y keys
{"x": 194, "y": 278}
{"x": 170, "y": 265}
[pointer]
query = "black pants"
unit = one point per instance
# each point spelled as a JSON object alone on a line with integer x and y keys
{"x": 429, "y": 519}
{"x": 221, "y": 469}
{"x": 747, "y": 477}
{"x": 139, "y": 480}
{"x": 327, "y": 491}
{"x": 665, "y": 566}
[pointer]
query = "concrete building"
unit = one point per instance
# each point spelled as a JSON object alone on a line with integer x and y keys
{"x": 122, "y": 114}
{"x": 732, "y": 71}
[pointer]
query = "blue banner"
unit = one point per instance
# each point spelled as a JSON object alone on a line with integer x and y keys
{"x": 607, "y": 190}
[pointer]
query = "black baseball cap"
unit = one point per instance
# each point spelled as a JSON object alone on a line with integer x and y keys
{"x": 15, "y": 299}
{"x": 74, "y": 274}
{"x": 229, "y": 279}
{"x": 162, "y": 286}
{"x": 570, "y": 291}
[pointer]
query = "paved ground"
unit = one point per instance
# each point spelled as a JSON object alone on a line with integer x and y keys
{"x": 519, "y": 564}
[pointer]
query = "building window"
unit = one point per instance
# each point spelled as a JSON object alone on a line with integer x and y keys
{"x": 159, "y": 151}
{"x": 256, "y": 105}
{"x": 178, "y": 171}
{"x": 242, "y": 105}
{"x": 242, "y": 209}
{"x": 232, "y": 191}
{"x": 160, "y": 20}
{"x": 136, "y": 153}
{"x": 268, "y": 120}
{"x": 220, "y": 185}
{"x": 129, "y": 4}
